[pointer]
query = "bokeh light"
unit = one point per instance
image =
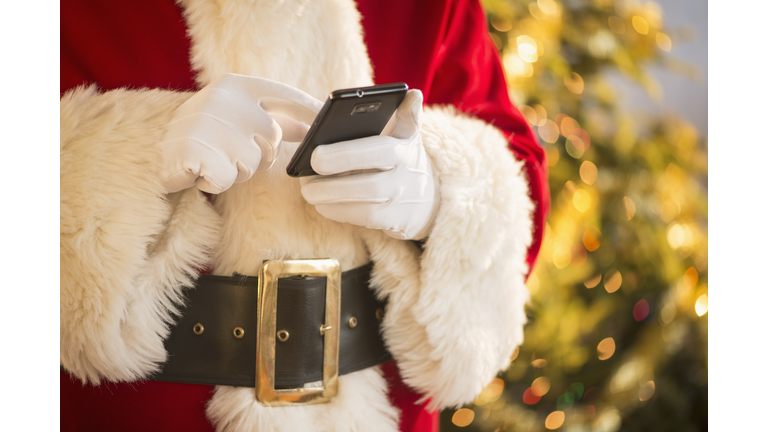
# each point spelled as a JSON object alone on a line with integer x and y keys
{"x": 540, "y": 386}
{"x": 690, "y": 277}
{"x": 529, "y": 114}
{"x": 527, "y": 48}
{"x": 640, "y": 24}
{"x": 612, "y": 281}
{"x": 591, "y": 238}
{"x": 592, "y": 282}
{"x": 549, "y": 7}
{"x": 553, "y": 155}
{"x": 574, "y": 83}
{"x": 679, "y": 236}
{"x": 647, "y": 390}
{"x": 549, "y": 132}
{"x": 554, "y": 420}
{"x": 641, "y": 310}
{"x": 463, "y": 417}
{"x": 491, "y": 392}
{"x": 702, "y": 305}
{"x": 530, "y": 397}
{"x": 606, "y": 348}
{"x": 663, "y": 41}
{"x": 567, "y": 125}
{"x": 582, "y": 200}
{"x": 588, "y": 172}
{"x": 578, "y": 255}
{"x": 629, "y": 208}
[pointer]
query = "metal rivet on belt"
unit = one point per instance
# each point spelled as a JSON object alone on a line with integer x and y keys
{"x": 352, "y": 322}
{"x": 239, "y": 332}
{"x": 198, "y": 329}
{"x": 283, "y": 335}
{"x": 324, "y": 328}
{"x": 379, "y": 313}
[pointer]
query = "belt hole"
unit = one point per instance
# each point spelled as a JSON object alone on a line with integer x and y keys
{"x": 379, "y": 313}
{"x": 198, "y": 329}
{"x": 283, "y": 335}
{"x": 352, "y": 322}
{"x": 239, "y": 332}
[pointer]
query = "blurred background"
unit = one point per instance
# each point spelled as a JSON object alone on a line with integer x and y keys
{"x": 617, "y": 332}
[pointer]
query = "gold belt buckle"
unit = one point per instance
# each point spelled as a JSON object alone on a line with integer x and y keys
{"x": 269, "y": 273}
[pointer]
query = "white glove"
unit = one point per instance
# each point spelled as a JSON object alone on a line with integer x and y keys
{"x": 382, "y": 182}
{"x": 230, "y": 129}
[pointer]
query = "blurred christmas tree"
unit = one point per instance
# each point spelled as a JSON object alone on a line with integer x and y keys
{"x": 617, "y": 338}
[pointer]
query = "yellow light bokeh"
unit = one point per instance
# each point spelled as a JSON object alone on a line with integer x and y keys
{"x": 549, "y": 7}
{"x": 561, "y": 257}
{"x": 663, "y": 41}
{"x": 679, "y": 236}
{"x": 591, "y": 283}
{"x": 529, "y": 114}
{"x": 574, "y": 83}
{"x": 668, "y": 313}
{"x": 582, "y": 200}
{"x": 549, "y": 132}
{"x": 629, "y": 208}
{"x": 690, "y": 278}
{"x": 491, "y": 392}
{"x": 572, "y": 150}
{"x": 463, "y": 417}
{"x": 517, "y": 66}
{"x": 515, "y": 353}
{"x": 606, "y": 348}
{"x": 647, "y": 390}
{"x": 588, "y": 172}
{"x": 591, "y": 238}
{"x": 612, "y": 281}
{"x": 541, "y": 386}
{"x": 527, "y": 48}
{"x": 553, "y": 155}
{"x": 640, "y": 24}
{"x": 501, "y": 24}
{"x": 554, "y": 420}
{"x": 539, "y": 363}
{"x": 541, "y": 114}
{"x": 567, "y": 126}
{"x": 578, "y": 255}
{"x": 702, "y": 305}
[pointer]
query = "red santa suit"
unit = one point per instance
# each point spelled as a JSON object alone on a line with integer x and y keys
{"x": 455, "y": 309}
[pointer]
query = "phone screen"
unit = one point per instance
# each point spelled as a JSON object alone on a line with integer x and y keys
{"x": 347, "y": 114}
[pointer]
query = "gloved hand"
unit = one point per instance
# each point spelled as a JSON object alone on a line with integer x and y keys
{"x": 230, "y": 129}
{"x": 385, "y": 182}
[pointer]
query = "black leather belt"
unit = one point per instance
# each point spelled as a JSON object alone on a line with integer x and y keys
{"x": 216, "y": 338}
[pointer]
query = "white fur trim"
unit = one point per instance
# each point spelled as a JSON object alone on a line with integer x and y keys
{"x": 315, "y": 46}
{"x": 123, "y": 261}
{"x": 454, "y": 320}
{"x": 360, "y": 405}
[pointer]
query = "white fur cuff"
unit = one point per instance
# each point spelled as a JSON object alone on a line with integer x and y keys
{"x": 456, "y": 329}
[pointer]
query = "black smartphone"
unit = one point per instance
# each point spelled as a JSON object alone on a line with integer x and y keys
{"x": 347, "y": 114}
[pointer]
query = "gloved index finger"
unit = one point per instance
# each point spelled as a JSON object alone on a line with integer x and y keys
{"x": 376, "y": 152}
{"x": 274, "y": 97}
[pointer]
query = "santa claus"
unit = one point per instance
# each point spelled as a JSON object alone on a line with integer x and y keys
{"x": 177, "y": 216}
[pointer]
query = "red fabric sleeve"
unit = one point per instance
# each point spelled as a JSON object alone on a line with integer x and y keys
{"x": 444, "y": 49}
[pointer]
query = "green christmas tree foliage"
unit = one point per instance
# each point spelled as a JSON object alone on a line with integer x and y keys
{"x": 617, "y": 332}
